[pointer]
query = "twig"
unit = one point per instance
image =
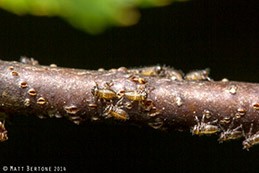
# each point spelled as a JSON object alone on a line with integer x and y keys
{"x": 158, "y": 97}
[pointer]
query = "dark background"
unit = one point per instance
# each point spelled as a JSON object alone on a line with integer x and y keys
{"x": 219, "y": 34}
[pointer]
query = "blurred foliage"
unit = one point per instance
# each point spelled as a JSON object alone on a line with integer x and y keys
{"x": 92, "y": 16}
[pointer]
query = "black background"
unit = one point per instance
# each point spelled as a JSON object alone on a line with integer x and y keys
{"x": 219, "y": 34}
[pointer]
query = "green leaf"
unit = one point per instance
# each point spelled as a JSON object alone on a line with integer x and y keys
{"x": 92, "y": 16}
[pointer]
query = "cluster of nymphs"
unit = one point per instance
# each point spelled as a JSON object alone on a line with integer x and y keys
{"x": 171, "y": 73}
{"x": 202, "y": 128}
{"x": 107, "y": 95}
{"x": 124, "y": 99}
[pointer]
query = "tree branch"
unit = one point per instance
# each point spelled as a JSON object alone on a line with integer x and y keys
{"x": 158, "y": 97}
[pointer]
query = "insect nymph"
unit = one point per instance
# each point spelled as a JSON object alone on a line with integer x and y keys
{"x": 198, "y": 75}
{"x": 116, "y": 111}
{"x": 3, "y": 132}
{"x": 202, "y": 128}
{"x": 251, "y": 139}
{"x": 104, "y": 92}
{"x": 136, "y": 95}
{"x": 151, "y": 71}
{"x": 231, "y": 134}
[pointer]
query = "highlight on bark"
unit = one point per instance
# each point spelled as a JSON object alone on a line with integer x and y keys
{"x": 158, "y": 96}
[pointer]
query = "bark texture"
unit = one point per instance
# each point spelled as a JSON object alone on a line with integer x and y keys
{"x": 200, "y": 105}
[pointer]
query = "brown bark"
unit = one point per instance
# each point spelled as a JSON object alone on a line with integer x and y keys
{"x": 155, "y": 100}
